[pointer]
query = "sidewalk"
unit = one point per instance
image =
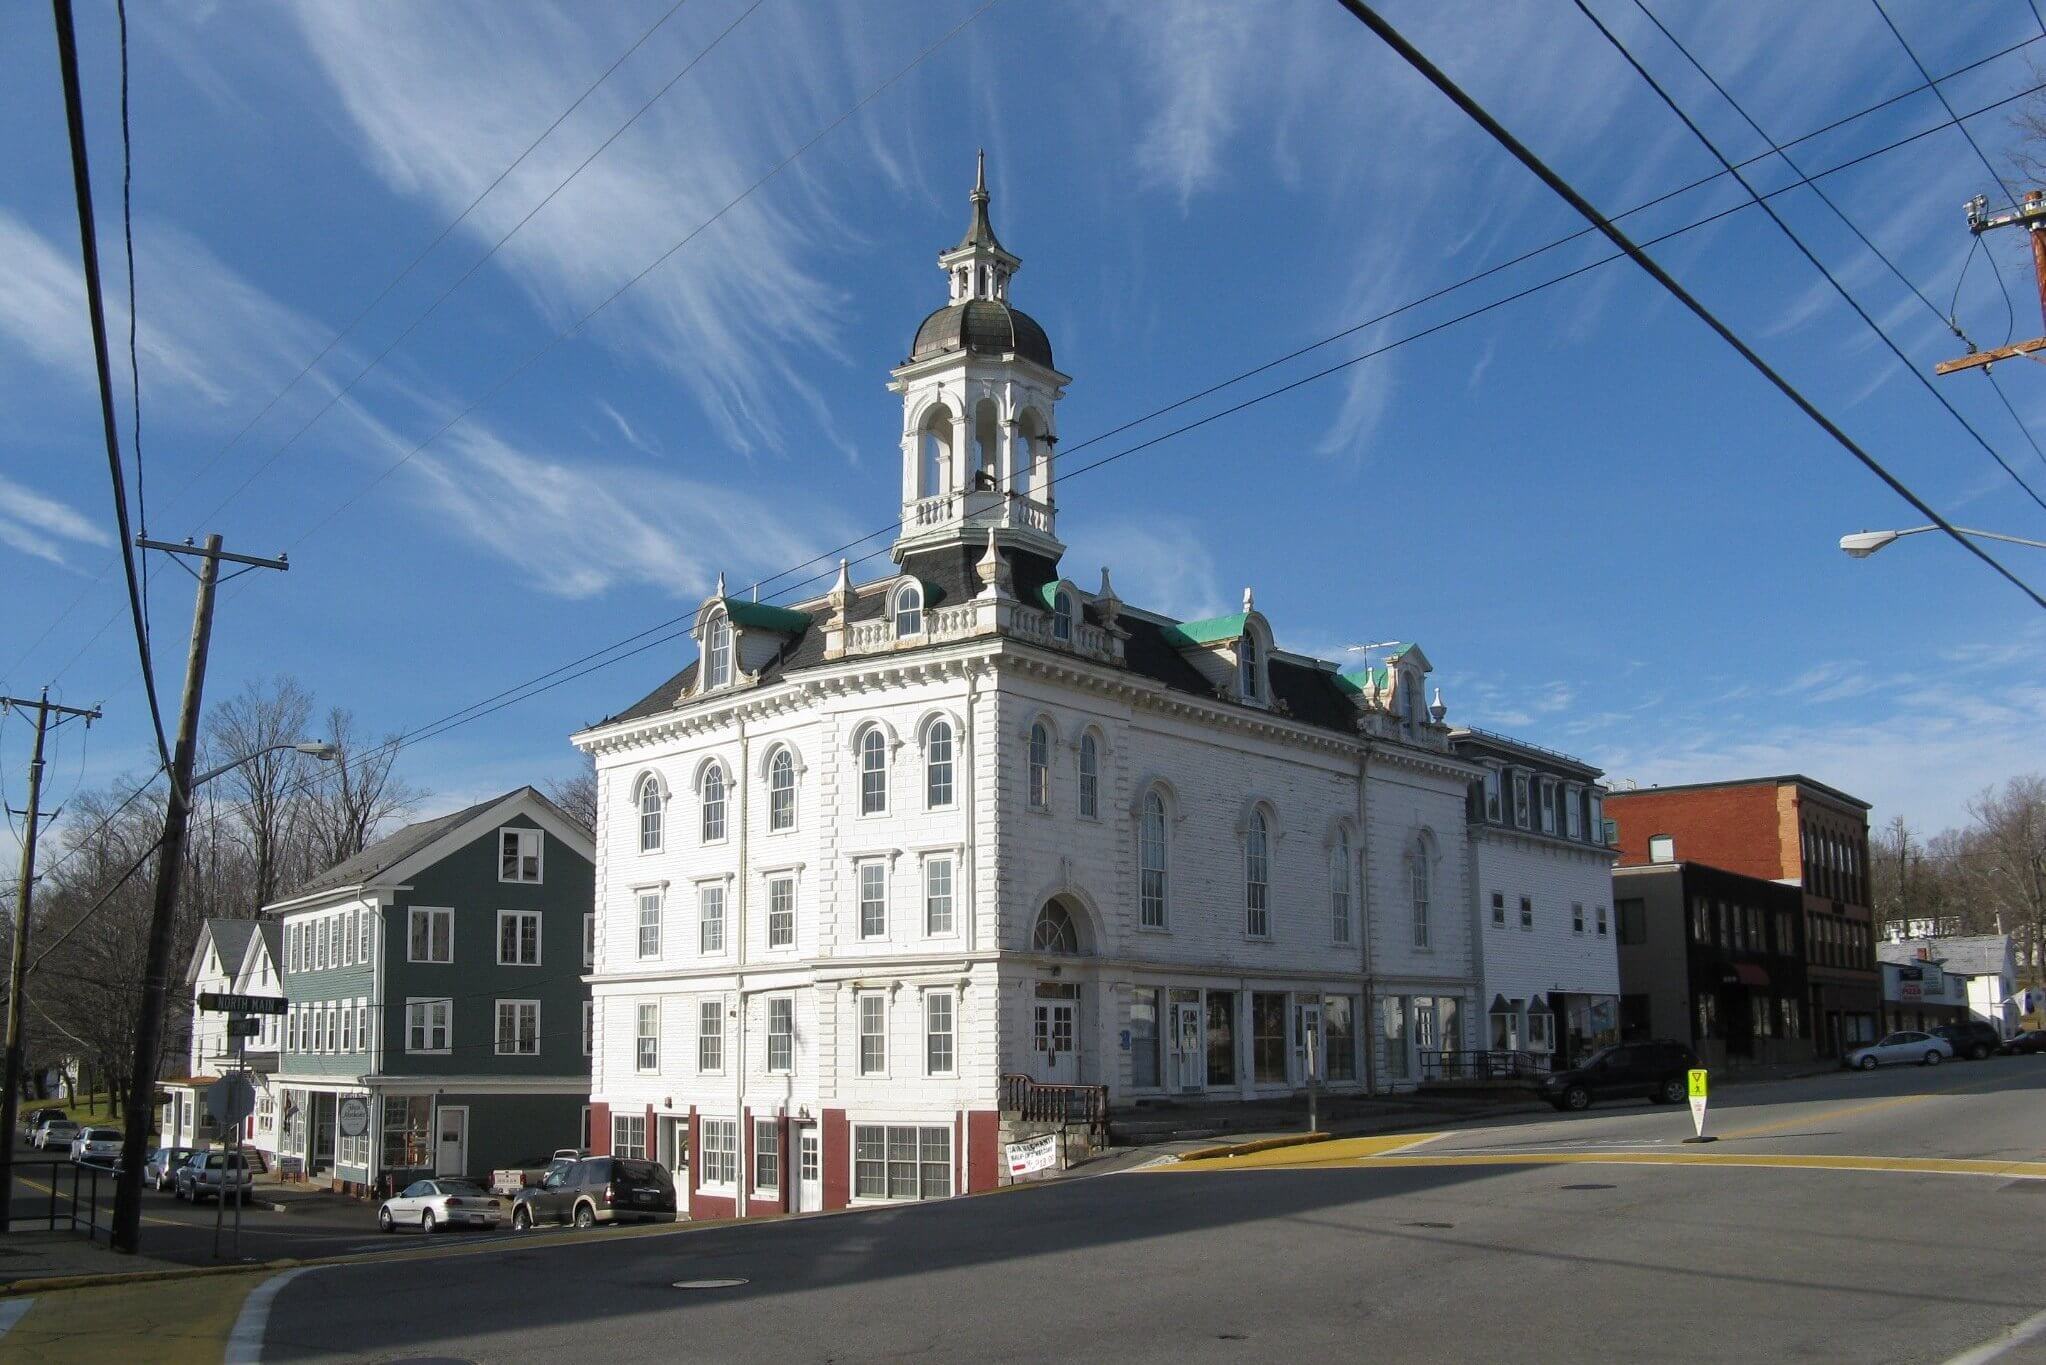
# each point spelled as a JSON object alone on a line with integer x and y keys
{"x": 277, "y": 1195}
{"x": 37, "y": 1254}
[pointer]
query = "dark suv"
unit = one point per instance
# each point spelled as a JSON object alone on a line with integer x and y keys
{"x": 1973, "y": 1040}
{"x": 1653, "y": 1071}
{"x": 598, "y": 1189}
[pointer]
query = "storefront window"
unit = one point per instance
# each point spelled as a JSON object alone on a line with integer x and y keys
{"x": 1392, "y": 1014}
{"x": 406, "y": 1118}
{"x": 1268, "y": 1036}
{"x": 1339, "y": 1037}
{"x": 1144, "y": 1038}
{"x": 1221, "y": 1038}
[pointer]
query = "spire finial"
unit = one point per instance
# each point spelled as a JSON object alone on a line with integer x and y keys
{"x": 980, "y": 174}
{"x": 721, "y": 583}
{"x": 979, "y": 231}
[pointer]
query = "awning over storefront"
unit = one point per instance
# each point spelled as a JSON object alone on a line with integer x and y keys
{"x": 1747, "y": 974}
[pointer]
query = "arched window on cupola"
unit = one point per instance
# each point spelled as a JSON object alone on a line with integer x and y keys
{"x": 1033, "y": 456}
{"x": 987, "y": 422}
{"x": 909, "y": 610}
{"x": 934, "y": 451}
{"x": 717, "y": 651}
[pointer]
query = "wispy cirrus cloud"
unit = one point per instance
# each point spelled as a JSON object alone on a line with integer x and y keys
{"x": 44, "y": 527}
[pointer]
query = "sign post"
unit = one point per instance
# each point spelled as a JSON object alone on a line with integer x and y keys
{"x": 1698, "y": 1107}
{"x": 232, "y": 1098}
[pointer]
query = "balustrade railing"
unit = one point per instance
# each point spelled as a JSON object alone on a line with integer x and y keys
{"x": 1036, "y": 1101}
{"x": 1500, "y": 1064}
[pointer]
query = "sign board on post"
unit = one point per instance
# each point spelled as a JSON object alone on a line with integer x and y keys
{"x": 1697, "y": 1078}
{"x": 231, "y": 1099}
{"x": 1033, "y": 1154}
{"x": 244, "y": 1027}
{"x": 222, "y": 1002}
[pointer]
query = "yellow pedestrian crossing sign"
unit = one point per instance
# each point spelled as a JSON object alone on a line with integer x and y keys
{"x": 1698, "y": 1085}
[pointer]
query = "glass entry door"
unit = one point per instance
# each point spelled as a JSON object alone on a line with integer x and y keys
{"x": 1189, "y": 1052}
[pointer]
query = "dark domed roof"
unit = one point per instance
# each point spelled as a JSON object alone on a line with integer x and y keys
{"x": 984, "y": 327}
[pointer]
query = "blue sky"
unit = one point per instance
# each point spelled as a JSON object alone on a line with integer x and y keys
{"x": 1611, "y": 537}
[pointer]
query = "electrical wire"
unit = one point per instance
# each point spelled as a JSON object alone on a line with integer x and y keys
{"x": 128, "y": 241}
{"x": 1668, "y": 100}
{"x": 88, "y": 240}
{"x": 1940, "y": 95}
{"x": 1413, "y": 56}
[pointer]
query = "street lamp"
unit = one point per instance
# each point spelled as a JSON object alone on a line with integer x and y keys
{"x": 1862, "y": 544}
{"x": 311, "y": 748}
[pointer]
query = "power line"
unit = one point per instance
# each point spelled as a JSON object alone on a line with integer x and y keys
{"x": 88, "y": 241}
{"x": 367, "y": 308}
{"x": 1477, "y": 113}
{"x": 128, "y": 241}
{"x": 1824, "y": 198}
{"x": 1994, "y": 174}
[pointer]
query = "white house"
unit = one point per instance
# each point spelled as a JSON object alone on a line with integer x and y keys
{"x": 879, "y": 865}
{"x": 1547, "y": 934}
{"x": 238, "y": 957}
{"x": 1983, "y": 961}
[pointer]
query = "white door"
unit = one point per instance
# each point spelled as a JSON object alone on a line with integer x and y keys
{"x": 1189, "y": 1058}
{"x": 1052, "y": 1035}
{"x": 809, "y": 1172}
{"x": 451, "y": 1149}
{"x": 1425, "y": 1043}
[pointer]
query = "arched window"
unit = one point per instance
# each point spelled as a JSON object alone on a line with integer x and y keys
{"x": 781, "y": 791}
{"x": 1062, "y": 617}
{"x": 1339, "y": 888}
{"x": 909, "y": 610}
{"x": 1054, "y": 931}
{"x": 1151, "y": 859}
{"x": 938, "y": 764}
{"x": 873, "y": 772}
{"x": 1410, "y": 689}
{"x": 934, "y": 450}
{"x": 650, "y": 813}
{"x": 1040, "y": 767}
{"x": 1418, "y": 865}
{"x": 713, "y": 803}
{"x": 1257, "y": 877}
{"x": 1090, "y": 778}
{"x": 717, "y": 652}
{"x": 1246, "y": 667}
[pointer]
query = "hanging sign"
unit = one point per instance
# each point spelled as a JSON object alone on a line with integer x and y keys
{"x": 1035, "y": 1154}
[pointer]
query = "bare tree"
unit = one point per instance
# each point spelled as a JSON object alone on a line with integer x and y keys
{"x": 363, "y": 791}
{"x": 577, "y": 794}
{"x": 265, "y": 785}
{"x": 2011, "y": 857}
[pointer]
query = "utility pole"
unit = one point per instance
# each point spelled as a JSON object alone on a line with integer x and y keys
{"x": 2031, "y": 216}
{"x": 24, "y": 898}
{"x": 170, "y": 862}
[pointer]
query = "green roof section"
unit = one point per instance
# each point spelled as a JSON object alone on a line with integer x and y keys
{"x": 1358, "y": 679}
{"x": 1214, "y": 630}
{"x": 1398, "y": 651}
{"x": 1048, "y": 593}
{"x": 761, "y": 616}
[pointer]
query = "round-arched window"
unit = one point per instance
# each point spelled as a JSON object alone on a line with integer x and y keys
{"x": 650, "y": 812}
{"x": 717, "y": 652}
{"x": 1054, "y": 931}
{"x": 781, "y": 791}
{"x": 909, "y": 610}
{"x": 1062, "y": 617}
{"x": 713, "y": 804}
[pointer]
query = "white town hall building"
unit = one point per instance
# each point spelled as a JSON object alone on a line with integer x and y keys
{"x": 877, "y": 855}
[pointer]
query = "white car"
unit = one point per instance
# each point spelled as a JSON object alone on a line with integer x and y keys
{"x": 430, "y": 1205}
{"x": 96, "y": 1146}
{"x": 57, "y": 1133}
{"x": 1908, "y": 1046}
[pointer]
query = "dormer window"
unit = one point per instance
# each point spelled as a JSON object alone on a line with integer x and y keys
{"x": 1247, "y": 668}
{"x": 1410, "y": 693}
{"x": 909, "y": 610}
{"x": 717, "y": 651}
{"x": 1062, "y": 617}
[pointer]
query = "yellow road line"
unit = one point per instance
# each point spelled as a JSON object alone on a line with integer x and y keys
{"x": 2008, "y": 1170}
{"x": 106, "y": 1209}
{"x": 1334, "y": 1152}
{"x": 1866, "y": 1107}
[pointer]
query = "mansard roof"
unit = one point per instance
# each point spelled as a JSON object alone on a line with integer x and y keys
{"x": 1213, "y": 630}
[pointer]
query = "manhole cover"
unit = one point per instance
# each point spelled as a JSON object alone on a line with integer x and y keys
{"x": 1427, "y": 1225}
{"x": 708, "y": 1284}
{"x": 1588, "y": 1187}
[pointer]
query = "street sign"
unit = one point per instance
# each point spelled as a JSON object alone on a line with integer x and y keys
{"x": 353, "y": 1116}
{"x": 244, "y": 1028}
{"x": 1034, "y": 1154}
{"x": 223, "y": 1003}
{"x": 231, "y": 1099}
{"x": 1698, "y": 1102}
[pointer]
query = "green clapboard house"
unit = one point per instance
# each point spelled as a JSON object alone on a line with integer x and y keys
{"x": 439, "y": 1022}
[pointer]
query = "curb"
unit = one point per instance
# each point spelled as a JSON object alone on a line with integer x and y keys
{"x": 1228, "y": 1150}
{"x": 51, "y": 1283}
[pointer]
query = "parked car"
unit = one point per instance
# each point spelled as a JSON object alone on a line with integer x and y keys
{"x": 1974, "y": 1040}
{"x": 161, "y": 1170}
{"x": 431, "y": 1205}
{"x": 2026, "y": 1043}
{"x": 1654, "y": 1071}
{"x": 509, "y": 1180}
{"x": 36, "y": 1118}
{"x": 55, "y": 1135}
{"x": 1908, "y": 1046}
{"x": 209, "y": 1175}
{"x": 598, "y": 1189}
{"x": 97, "y": 1146}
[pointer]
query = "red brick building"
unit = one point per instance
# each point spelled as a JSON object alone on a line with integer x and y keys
{"x": 1786, "y": 829}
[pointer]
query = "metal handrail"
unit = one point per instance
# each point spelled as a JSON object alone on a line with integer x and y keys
{"x": 69, "y": 1212}
{"x": 1483, "y": 1064}
{"x": 1037, "y": 1101}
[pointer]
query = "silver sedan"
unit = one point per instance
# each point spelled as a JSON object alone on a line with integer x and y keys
{"x": 1925, "y": 1049}
{"x": 430, "y": 1205}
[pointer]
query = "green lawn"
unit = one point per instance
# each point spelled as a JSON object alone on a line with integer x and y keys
{"x": 89, "y": 1109}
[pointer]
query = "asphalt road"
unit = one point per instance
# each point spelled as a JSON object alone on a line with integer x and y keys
{"x": 1343, "y": 1254}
